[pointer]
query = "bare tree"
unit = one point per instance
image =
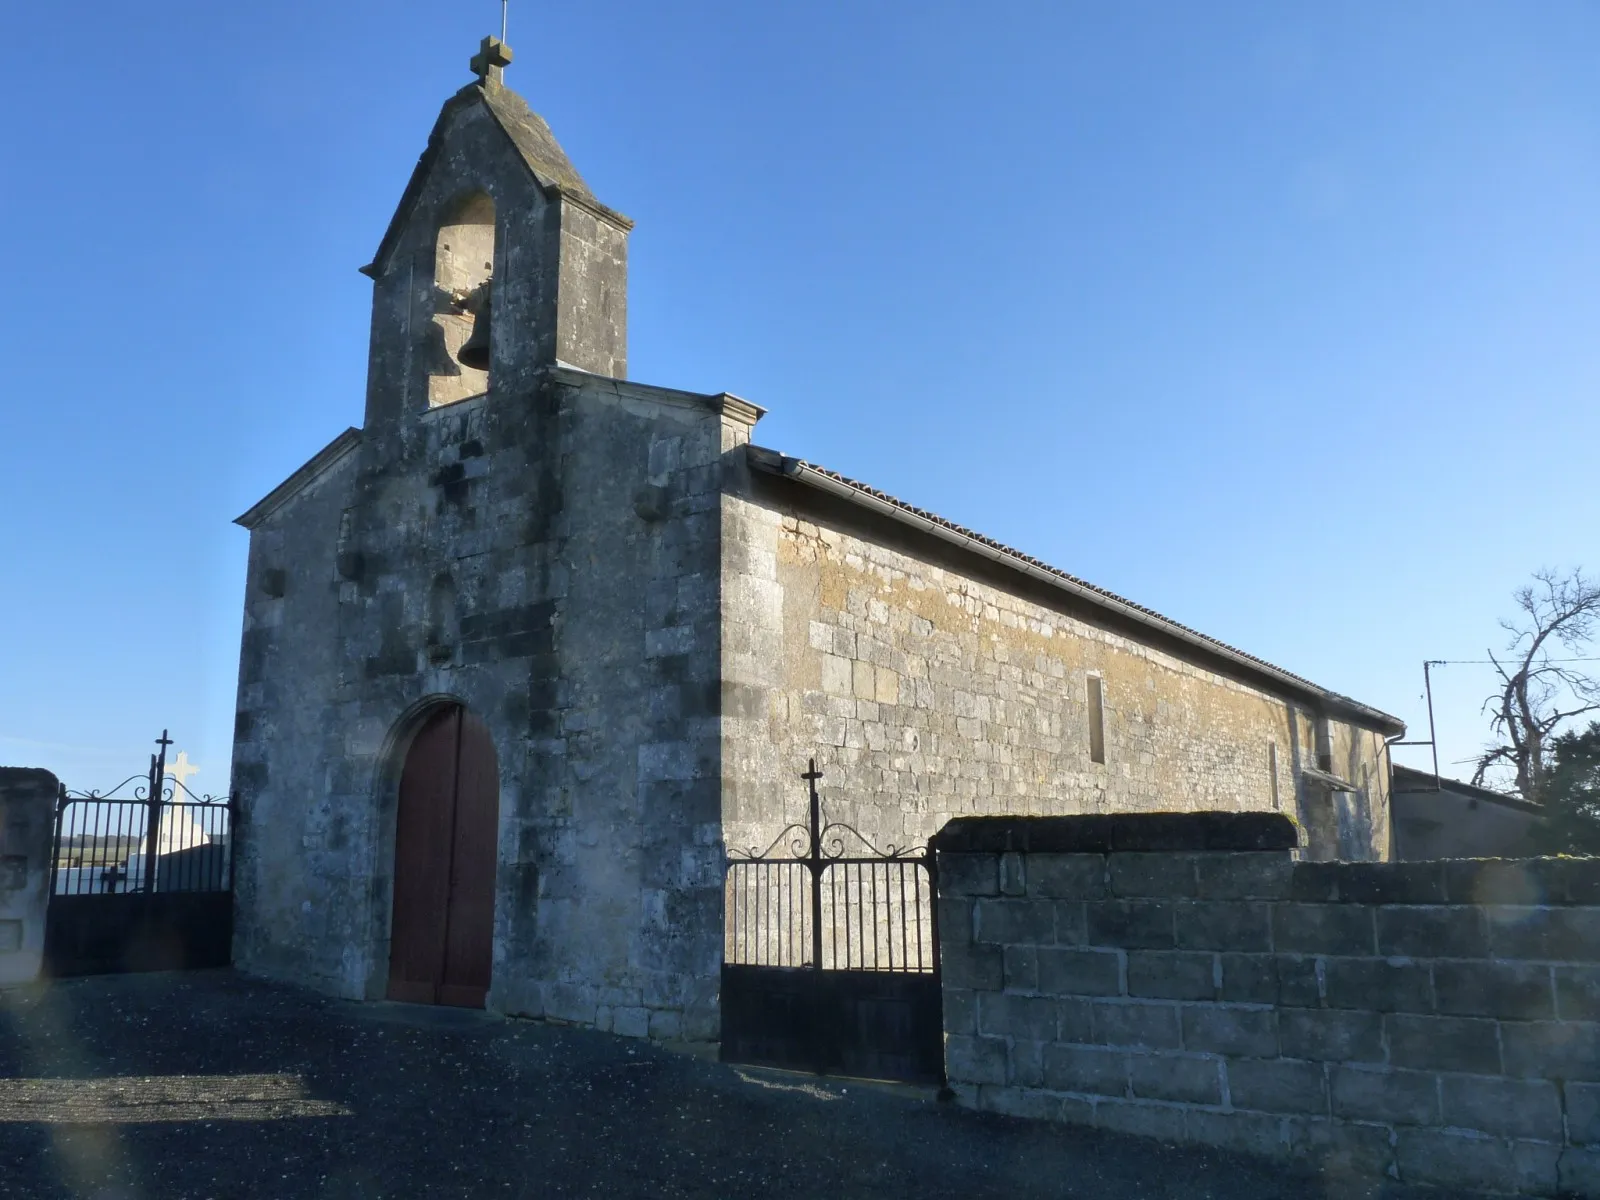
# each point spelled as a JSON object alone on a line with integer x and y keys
{"x": 1560, "y": 612}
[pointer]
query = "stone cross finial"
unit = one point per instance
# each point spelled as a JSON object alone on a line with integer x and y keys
{"x": 490, "y": 61}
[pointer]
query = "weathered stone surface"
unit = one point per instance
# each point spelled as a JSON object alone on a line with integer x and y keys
{"x": 1444, "y": 1043}
{"x": 941, "y": 696}
{"x": 1164, "y": 832}
{"x": 1062, "y": 876}
{"x": 1475, "y": 988}
{"x": 1224, "y": 926}
{"x": 27, "y": 823}
{"x": 1278, "y": 1086}
{"x": 1376, "y": 983}
{"x": 1175, "y": 1077}
{"x": 488, "y": 551}
{"x": 1135, "y": 1024}
{"x": 1397, "y": 1097}
{"x": 1520, "y": 1108}
{"x": 1079, "y": 972}
{"x": 1172, "y": 975}
{"x": 1241, "y": 1032}
{"x": 1443, "y": 1065}
{"x": 1088, "y": 1069}
{"x": 1331, "y": 1036}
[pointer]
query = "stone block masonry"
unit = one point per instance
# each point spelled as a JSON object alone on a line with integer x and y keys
{"x": 27, "y": 822}
{"x": 930, "y": 687}
{"x": 577, "y": 619}
{"x": 1185, "y": 977}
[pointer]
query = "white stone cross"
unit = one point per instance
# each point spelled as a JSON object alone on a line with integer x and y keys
{"x": 180, "y": 769}
{"x": 178, "y": 828}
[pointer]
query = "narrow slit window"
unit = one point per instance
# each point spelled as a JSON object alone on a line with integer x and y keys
{"x": 1272, "y": 772}
{"x": 1097, "y": 721}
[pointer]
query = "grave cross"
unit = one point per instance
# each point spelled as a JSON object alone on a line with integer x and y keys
{"x": 181, "y": 769}
{"x": 490, "y": 61}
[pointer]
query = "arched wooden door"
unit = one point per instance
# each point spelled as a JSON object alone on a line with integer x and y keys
{"x": 441, "y": 940}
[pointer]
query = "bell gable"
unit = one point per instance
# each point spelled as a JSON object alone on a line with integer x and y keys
{"x": 497, "y": 264}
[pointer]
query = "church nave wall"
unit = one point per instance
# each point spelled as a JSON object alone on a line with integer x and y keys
{"x": 927, "y": 692}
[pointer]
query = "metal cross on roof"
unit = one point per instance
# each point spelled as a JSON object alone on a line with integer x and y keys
{"x": 492, "y": 58}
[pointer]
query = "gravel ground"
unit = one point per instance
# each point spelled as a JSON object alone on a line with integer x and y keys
{"x": 209, "y": 1084}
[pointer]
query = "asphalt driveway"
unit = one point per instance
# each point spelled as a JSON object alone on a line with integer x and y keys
{"x": 209, "y": 1084}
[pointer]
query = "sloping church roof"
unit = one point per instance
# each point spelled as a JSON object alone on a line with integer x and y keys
{"x": 546, "y": 161}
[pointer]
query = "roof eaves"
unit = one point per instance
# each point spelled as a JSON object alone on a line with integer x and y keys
{"x": 317, "y": 465}
{"x": 1457, "y": 786}
{"x": 822, "y": 479}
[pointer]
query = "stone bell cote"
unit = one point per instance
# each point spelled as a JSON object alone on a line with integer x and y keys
{"x": 498, "y": 262}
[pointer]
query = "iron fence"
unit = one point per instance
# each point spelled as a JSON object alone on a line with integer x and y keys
{"x": 150, "y": 833}
{"x": 805, "y": 902}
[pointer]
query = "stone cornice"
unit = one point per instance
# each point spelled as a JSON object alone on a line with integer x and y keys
{"x": 725, "y": 403}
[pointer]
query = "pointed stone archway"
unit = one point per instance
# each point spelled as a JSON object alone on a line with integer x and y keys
{"x": 441, "y": 939}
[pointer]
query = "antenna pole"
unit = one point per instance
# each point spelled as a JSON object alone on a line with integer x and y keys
{"x": 504, "y": 6}
{"x": 1433, "y": 737}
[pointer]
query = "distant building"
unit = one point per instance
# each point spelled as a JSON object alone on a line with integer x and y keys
{"x": 1455, "y": 819}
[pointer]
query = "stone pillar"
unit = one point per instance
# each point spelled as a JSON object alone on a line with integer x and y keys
{"x": 27, "y": 823}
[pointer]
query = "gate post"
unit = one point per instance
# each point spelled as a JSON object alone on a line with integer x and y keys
{"x": 152, "y": 825}
{"x": 55, "y": 840}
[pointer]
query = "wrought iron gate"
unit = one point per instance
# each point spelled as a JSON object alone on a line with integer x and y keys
{"x": 140, "y": 882}
{"x": 830, "y": 960}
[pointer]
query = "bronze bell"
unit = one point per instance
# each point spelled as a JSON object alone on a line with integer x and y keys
{"x": 474, "y": 351}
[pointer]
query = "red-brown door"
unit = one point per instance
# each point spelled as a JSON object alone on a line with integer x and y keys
{"x": 442, "y": 936}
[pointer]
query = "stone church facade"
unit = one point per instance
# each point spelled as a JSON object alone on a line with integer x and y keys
{"x": 656, "y": 623}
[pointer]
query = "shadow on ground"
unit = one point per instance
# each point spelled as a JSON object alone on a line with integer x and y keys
{"x": 212, "y": 1085}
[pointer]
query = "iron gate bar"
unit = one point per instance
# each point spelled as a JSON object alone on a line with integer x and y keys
{"x": 819, "y": 848}
{"x": 853, "y": 1005}
{"x": 179, "y": 911}
{"x": 152, "y": 837}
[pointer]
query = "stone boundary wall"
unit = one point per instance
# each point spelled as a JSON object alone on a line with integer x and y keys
{"x": 27, "y": 825}
{"x": 1186, "y": 978}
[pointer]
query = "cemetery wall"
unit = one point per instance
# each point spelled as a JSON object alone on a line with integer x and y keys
{"x": 1186, "y": 978}
{"x": 27, "y": 822}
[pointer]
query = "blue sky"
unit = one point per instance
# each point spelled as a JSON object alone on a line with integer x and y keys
{"x": 1279, "y": 319}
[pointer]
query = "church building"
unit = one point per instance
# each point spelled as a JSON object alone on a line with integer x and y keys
{"x": 529, "y": 652}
